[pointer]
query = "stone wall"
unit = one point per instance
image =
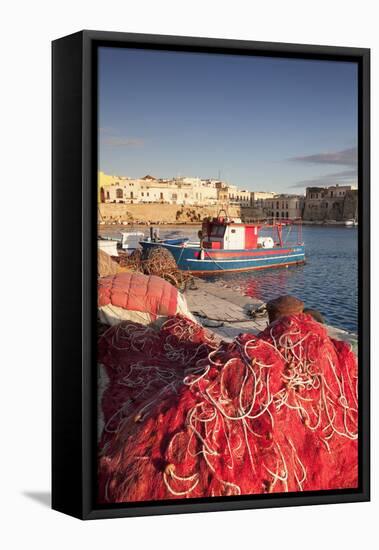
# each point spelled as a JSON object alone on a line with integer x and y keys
{"x": 168, "y": 213}
{"x": 328, "y": 208}
{"x": 350, "y": 207}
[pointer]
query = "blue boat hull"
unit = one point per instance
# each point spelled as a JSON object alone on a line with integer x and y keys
{"x": 192, "y": 259}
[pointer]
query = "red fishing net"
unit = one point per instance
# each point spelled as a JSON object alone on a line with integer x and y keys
{"x": 184, "y": 419}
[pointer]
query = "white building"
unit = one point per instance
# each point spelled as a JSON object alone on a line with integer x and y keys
{"x": 284, "y": 206}
{"x": 242, "y": 197}
{"x": 191, "y": 191}
{"x": 179, "y": 190}
{"x": 258, "y": 198}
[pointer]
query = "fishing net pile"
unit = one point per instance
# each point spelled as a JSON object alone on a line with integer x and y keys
{"x": 106, "y": 265}
{"x": 185, "y": 418}
{"x": 131, "y": 261}
{"x": 155, "y": 261}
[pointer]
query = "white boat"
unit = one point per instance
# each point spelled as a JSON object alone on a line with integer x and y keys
{"x": 353, "y": 222}
{"x": 126, "y": 241}
{"x": 108, "y": 246}
{"x": 130, "y": 240}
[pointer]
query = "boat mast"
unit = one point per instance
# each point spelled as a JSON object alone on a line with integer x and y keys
{"x": 279, "y": 229}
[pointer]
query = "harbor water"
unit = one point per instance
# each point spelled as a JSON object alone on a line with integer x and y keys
{"x": 327, "y": 282}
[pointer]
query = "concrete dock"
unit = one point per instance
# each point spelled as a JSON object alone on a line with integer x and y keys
{"x": 222, "y": 310}
{"x": 227, "y": 313}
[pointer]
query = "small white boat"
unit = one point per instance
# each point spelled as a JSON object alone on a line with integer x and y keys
{"x": 351, "y": 223}
{"x": 126, "y": 241}
{"x": 108, "y": 246}
{"x": 130, "y": 240}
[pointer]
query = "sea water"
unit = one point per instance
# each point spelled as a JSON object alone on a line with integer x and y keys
{"x": 327, "y": 282}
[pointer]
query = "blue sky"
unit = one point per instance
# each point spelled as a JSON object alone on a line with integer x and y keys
{"x": 258, "y": 122}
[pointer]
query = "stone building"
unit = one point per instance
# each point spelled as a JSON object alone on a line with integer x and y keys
{"x": 284, "y": 207}
{"x": 336, "y": 203}
{"x": 257, "y": 198}
{"x": 222, "y": 193}
{"x": 117, "y": 188}
{"x": 191, "y": 192}
{"x": 183, "y": 191}
{"x": 241, "y": 197}
{"x": 350, "y": 205}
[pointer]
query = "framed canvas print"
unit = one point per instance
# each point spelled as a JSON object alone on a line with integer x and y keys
{"x": 210, "y": 274}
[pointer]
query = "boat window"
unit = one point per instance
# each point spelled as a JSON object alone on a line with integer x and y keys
{"x": 218, "y": 231}
{"x": 233, "y": 230}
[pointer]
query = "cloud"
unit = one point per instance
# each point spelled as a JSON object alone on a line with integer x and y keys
{"x": 345, "y": 177}
{"x": 347, "y": 157}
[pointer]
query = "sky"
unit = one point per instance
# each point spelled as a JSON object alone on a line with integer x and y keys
{"x": 262, "y": 123}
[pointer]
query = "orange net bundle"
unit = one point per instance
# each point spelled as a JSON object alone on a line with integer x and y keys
{"x": 276, "y": 412}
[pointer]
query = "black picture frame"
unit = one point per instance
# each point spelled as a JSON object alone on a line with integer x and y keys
{"x": 74, "y": 151}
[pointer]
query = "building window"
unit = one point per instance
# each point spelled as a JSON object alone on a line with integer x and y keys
{"x": 119, "y": 193}
{"x": 282, "y": 214}
{"x": 286, "y": 214}
{"x": 142, "y": 194}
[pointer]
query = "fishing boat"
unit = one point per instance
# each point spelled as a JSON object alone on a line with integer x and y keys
{"x": 228, "y": 246}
